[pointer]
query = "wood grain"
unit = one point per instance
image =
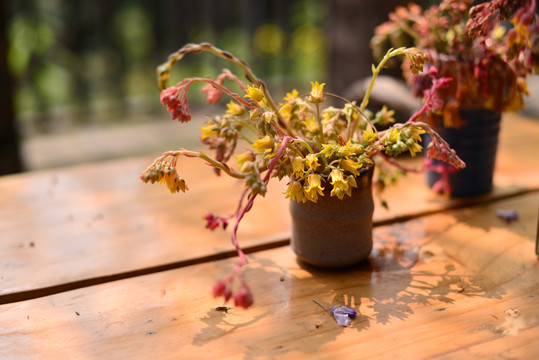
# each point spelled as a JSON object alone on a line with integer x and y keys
{"x": 459, "y": 284}
{"x": 93, "y": 223}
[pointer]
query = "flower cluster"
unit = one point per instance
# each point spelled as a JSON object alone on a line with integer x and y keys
{"x": 243, "y": 296}
{"x": 164, "y": 171}
{"x": 175, "y": 99}
{"x": 314, "y": 147}
{"x": 471, "y": 45}
{"x": 522, "y": 42}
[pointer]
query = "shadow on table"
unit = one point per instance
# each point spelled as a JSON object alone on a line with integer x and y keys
{"x": 400, "y": 274}
{"x": 408, "y": 269}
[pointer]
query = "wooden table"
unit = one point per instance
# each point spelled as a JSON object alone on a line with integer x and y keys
{"x": 95, "y": 264}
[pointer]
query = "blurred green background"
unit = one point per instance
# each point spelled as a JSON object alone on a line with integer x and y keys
{"x": 78, "y": 62}
{"x": 81, "y": 74}
{"x": 78, "y": 82}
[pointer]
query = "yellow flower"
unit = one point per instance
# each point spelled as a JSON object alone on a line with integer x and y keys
{"x": 328, "y": 149}
{"x": 181, "y": 185}
{"x": 317, "y": 92}
{"x": 263, "y": 144}
{"x": 312, "y": 162}
{"x": 416, "y": 133}
{"x": 291, "y": 95}
{"x": 295, "y": 192}
{"x": 384, "y": 116}
{"x": 310, "y": 124}
{"x": 254, "y": 93}
{"x": 245, "y": 160}
{"x": 286, "y": 110}
{"x": 340, "y": 186}
{"x": 298, "y": 167}
{"x": 351, "y": 166}
{"x": 314, "y": 187}
{"x": 269, "y": 117}
{"x": 392, "y": 136}
{"x": 210, "y": 130}
{"x": 413, "y": 147}
{"x": 173, "y": 182}
{"x": 369, "y": 136}
{"x": 349, "y": 149}
{"x": 351, "y": 182}
{"x": 235, "y": 109}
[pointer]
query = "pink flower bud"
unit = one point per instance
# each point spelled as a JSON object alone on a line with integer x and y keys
{"x": 211, "y": 221}
{"x": 181, "y": 113}
{"x": 228, "y": 294}
{"x": 433, "y": 72}
{"x": 219, "y": 289}
{"x": 169, "y": 98}
{"x": 243, "y": 297}
{"x": 212, "y": 94}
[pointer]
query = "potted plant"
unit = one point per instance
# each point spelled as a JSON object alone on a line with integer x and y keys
{"x": 488, "y": 65}
{"x": 327, "y": 154}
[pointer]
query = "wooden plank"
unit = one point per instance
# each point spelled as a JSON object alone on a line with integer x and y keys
{"x": 517, "y": 162}
{"x": 99, "y": 222}
{"x": 452, "y": 285}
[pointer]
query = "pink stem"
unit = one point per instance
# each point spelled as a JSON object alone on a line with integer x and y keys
{"x": 243, "y": 210}
{"x": 398, "y": 165}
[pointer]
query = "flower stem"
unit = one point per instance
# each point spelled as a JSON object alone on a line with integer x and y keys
{"x": 163, "y": 74}
{"x": 322, "y": 305}
{"x": 375, "y": 72}
{"x": 203, "y": 156}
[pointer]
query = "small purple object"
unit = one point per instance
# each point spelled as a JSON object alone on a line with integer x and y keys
{"x": 343, "y": 314}
{"x": 507, "y": 215}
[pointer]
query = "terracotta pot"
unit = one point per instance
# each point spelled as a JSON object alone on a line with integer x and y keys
{"x": 333, "y": 233}
{"x": 476, "y": 143}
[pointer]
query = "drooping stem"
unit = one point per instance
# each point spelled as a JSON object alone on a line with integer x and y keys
{"x": 164, "y": 70}
{"x": 396, "y": 164}
{"x": 236, "y": 97}
{"x": 251, "y": 198}
{"x": 188, "y": 153}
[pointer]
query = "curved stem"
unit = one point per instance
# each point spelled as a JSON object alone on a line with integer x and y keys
{"x": 251, "y": 198}
{"x": 203, "y": 156}
{"x": 163, "y": 73}
{"x": 238, "y": 98}
{"x": 304, "y": 143}
{"x": 396, "y": 164}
